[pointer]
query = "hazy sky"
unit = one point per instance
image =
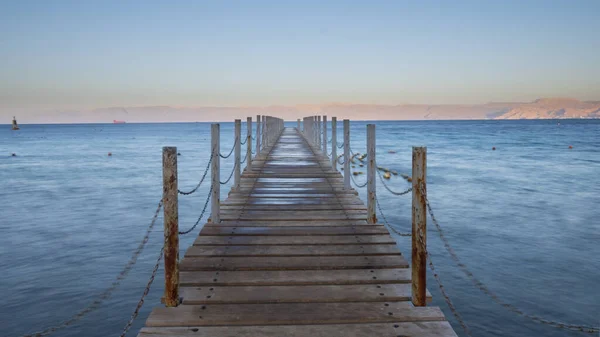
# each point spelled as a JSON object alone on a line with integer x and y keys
{"x": 86, "y": 54}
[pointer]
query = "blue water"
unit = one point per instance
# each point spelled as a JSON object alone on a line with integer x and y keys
{"x": 524, "y": 218}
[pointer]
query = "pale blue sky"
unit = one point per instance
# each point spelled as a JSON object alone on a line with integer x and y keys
{"x": 86, "y": 54}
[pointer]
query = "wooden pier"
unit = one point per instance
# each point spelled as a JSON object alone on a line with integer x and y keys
{"x": 294, "y": 255}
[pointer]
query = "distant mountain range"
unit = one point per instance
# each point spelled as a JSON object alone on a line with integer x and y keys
{"x": 544, "y": 108}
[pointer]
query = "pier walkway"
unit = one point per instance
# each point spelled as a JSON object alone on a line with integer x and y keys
{"x": 293, "y": 255}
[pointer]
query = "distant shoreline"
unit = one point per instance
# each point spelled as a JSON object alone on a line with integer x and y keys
{"x": 356, "y": 120}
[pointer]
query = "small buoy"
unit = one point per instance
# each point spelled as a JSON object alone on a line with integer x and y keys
{"x": 110, "y": 154}
{"x": 570, "y": 146}
{"x": 361, "y": 165}
{"x": 387, "y": 175}
{"x": 353, "y": 166}
{"x": 391, "y": 151}
{"x": 179, "y": 154}
{"x": 13, "y": 154}
{"x": 494, "y": 148}
{"x": 355, "y": 173}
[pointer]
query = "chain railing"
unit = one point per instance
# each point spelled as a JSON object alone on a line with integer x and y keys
{"x": 389, "y": 189}
{"x": 230, "y": 175}
{"x": 385, "y": 221}
{"x": 230, "y": 152}
{"x": 201, "y": 214}
{"x": 140, "y": 303}
{"x": 354, "y": 181}
{"x": 200, "y": 182}
{"x": 483, "y": 288}
{"x": 103, "y": 296}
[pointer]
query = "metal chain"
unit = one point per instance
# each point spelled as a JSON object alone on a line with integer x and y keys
{"x": 245, "y": 157}
{"x": 231, "y": 175}
{"x": 385, "y": 221}
{"x": 108, "y": 292}
{"x": 354, "y": 181}
{"x": 389, "y": 189}
{"x": 201, "y": 214}
{"x": 201, "y": 180}
{"x": 338, "y": 160}
{"x": 483, "y": 288}
{"x": 230, "y": 152}
{"x": 341, "y": 145}
{"x": 244, "y": 142}
{"x": 145, "y": 293}
{"x": 446, "y": 297}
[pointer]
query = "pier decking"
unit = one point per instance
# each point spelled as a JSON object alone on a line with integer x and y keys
{"x": 294, "y": 255}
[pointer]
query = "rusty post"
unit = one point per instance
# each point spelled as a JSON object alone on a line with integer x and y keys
{"x": 248, "y": 144}
{"x": 419, "y": 226}
{"x": 371, "y": 174}
{"x": 171, "y": 225}
{"x": 215, "y": 174}
{"x": 334, "y": 143}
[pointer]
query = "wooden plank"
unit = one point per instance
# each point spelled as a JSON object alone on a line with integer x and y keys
{"x": 291, "y": 223}
{"x": 390, "y": 329}
{"x": 293, "y": 240}
{"x": 296, "y": 294}
{"x": 295, "y": 277}
{"x": 308, "y": 250}
{"x": 291, "y": 313}
{"x": 292, "y": 262}
{"x": 304, "y": 230}
{"x": 335, "y": 206}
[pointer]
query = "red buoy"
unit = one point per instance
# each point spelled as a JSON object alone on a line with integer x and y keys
{"x": 110, "y": 154}
{"x": 570, "y": 146}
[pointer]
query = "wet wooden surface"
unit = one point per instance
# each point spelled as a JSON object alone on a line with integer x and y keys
{"x": 294, "y": 255}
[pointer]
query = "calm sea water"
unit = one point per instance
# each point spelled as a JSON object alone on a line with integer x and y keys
{"x": 524, "y": 218}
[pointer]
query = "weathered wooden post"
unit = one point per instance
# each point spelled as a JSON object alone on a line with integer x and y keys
{"x": 249, "y": 143}
{"x": 237, "y": 154}
{"x": 171, "y": 225}
{"x": 318, "y": 132}
{"x": 315, "y": 131}
{"x": 325, "y": 135}
{"x": 371, "y": 172}
{"x": 419, "y": 225}
{"x": 258, "y": 128}
{"x": 265, "y": 132}
{"x": 334, "y": 143}
{"x": 347, "y": 172}
{"x": 298, "y": 127}
{"x": 215, "y": 174}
